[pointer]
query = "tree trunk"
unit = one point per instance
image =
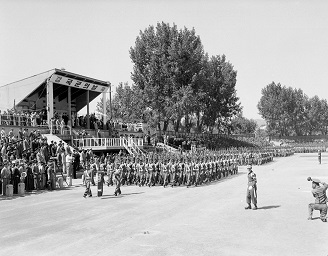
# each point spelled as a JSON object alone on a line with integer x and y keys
{"x": 198, "y": 125}
{"x": 177, "y": 124}
{"x": 166, "y": 124}
{"x": 187, "y": 123}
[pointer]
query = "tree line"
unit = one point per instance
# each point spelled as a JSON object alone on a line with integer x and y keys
{"x": 175, "y": 82}
{"x": 288, "y": 111}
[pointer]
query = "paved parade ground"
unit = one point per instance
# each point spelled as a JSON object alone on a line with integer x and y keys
{"x": 206, "y": 220}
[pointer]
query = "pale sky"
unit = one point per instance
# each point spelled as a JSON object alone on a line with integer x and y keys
{"x": 282, "y": 41}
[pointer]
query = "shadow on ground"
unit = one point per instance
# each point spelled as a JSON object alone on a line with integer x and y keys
{"x": 217, "y": 181}
{"x": 122, "y": 195}
{"x": 268, "y": 207}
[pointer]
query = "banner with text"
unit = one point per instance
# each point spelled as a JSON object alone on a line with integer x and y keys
{"x": 77, "y": 83}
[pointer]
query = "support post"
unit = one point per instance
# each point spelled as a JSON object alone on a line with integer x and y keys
{"x": 88, "y": 109}
{"x": 104, "y": 109}
{"x": 50, "y": 102}
{"x": 110, "y": 102}
{"x": 69, "y": 101}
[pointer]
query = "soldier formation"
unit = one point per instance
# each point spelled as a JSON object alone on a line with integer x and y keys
{"x": 188, "y": 169}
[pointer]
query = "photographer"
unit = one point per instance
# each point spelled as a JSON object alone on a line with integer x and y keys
{"x": 319, "y": 192}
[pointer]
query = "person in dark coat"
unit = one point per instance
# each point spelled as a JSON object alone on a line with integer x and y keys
{"x": 76, "y": 163}
{"x": 29, "y": 179}
{"x": 16, "y": 177}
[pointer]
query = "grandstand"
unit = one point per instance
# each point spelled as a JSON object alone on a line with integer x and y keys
{"x": 50, "y": 101}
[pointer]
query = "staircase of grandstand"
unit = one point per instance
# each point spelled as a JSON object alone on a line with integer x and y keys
{"x": 132, "y": 148}
{"x": 54, "y": 138}
{"x": 167, "y": 148}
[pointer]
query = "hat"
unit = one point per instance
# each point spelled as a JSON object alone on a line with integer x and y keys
{"x": 316, "y": 181}
{"x": 249, "y": 166}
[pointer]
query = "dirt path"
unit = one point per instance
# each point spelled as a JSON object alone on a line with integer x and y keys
{"x": 207, "y": 220}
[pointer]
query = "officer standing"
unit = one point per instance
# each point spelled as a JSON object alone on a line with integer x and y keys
{"x": 319, "y": 156}
{"x": 251, "y": 195}
{"x": 319, "y": 192}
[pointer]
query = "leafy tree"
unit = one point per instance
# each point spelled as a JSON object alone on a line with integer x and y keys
{"x": 166, "y": 61}
{"x": 242, "y": 125}
{"x": 126, "y": 105}
{"x": 217, "y": 96}
{"x": 271, "y": 108}
{"x": 289, "y": 111}
{"x": 175, "y": 81}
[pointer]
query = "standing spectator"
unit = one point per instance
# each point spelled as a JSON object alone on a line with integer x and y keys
{"x": 93, "y": 171}
{"x": 29, "y": 179}
{"x": 3, "y": 134}
{"x": 69, "y": 164}
{"x": 5, "y": 176}
{"x": 62, "y": 125}
{"x": 16, "y": 177}
{"x": 57, "y": 126}
{"x": 4, "y": 152}
{"x": 36, "y": 174}
{"x": 20, "y": 133}
{"x": 83, "y": 158}
{"x": 41, "y": 164}
{"x": 76, "y": 163}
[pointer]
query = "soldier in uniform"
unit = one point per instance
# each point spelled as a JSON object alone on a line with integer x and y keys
{"x": 319, "y": 192}
{"x": 87, "y": 176}
{"x": 166, "y": 170}
{"x": 196, "y": 172}
{"x": 251, "y": 195}
{"x": 142, "y": 174}
{"x": 110, "y": 171}
{"x": 117, "y": 177}
{"x": 188, "y": 169}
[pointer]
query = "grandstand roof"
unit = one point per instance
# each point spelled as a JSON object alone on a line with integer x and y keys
{"x": 20, "y": 91}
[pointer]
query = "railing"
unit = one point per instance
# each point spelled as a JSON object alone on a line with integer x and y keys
{"x": 63, "y": 130}
{"x": 21, "y": 120}
{"x": 107, "y": 142}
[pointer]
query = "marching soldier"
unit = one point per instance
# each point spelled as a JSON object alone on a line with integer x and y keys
{"x": 142, "y": 174}
{"x": 251, "y": 195}
{"x": 188, "y": 168}
{"x": 110, "y": 171}
{"x": 196, "y": 172}
{"x": 165, "y": 170}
